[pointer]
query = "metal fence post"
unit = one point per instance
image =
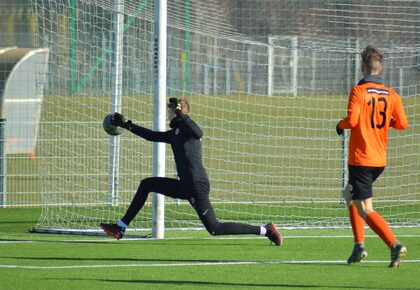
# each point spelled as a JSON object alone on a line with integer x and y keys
{"x": 2, "y": 163}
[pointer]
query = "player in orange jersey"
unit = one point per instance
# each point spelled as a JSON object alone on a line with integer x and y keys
{"x": 372, "y": 109}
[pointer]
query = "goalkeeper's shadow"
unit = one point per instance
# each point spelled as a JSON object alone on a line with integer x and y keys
{"x": 172, "y": 283}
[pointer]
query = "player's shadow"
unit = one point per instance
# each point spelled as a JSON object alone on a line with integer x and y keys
{"x": 232, "y": 284}
{"x": 170, "y": 283}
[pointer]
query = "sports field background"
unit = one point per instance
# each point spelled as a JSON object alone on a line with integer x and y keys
{"x": 268, "y": 158}
{"x": 274, "y": 158}
{"x": 309, "y": 259}
{"x": 267, "y": 85}
{"x": 283, "y": 117}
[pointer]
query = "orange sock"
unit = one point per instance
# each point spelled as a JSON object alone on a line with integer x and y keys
{"x": 357, "y": 224}
{"x": 378, "y": 224}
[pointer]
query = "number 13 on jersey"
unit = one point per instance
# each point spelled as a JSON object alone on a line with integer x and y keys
{"x": 379, "y": 106}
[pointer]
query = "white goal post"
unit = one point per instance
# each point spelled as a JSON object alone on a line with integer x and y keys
{"x": 267, "y": 82}
{"x": 159, "y": 89}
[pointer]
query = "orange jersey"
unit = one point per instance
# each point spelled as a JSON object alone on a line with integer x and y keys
{"x": 371, "y": 109}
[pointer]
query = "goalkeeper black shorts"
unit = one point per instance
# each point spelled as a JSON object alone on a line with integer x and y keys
{"x": 361, "y": 179}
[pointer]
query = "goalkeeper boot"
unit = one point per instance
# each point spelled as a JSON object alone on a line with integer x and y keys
{"x": 397, "y": 252}
{"x": 273, "y": 234}
{"x": 358, "y": 254}
{"x": 113, "y": 230}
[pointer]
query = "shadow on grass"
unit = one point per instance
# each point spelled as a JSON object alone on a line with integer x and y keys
{"x": 170, "y": 283}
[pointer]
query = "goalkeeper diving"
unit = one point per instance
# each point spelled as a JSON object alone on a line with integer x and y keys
{"x": 193, "y": 183}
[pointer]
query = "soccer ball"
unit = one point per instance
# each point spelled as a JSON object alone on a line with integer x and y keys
{"x": 111, "y": 129}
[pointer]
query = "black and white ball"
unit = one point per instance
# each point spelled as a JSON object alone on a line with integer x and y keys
{"x": 111, "y": 129}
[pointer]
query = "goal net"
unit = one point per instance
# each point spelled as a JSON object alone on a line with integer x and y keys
{"x": 267, "y": 82}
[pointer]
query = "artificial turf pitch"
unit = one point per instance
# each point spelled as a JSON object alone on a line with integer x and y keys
{"x": 195, "y": 260}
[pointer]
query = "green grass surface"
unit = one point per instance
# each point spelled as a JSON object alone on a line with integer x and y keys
{"x": 195, "y": 260}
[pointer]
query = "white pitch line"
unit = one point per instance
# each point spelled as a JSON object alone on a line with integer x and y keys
{"x": 306, "y": 237}
{"x": 99, "y": 240}
{"x": 230, "y": 263}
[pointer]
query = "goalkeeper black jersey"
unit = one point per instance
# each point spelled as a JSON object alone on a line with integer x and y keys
{"x": 185, "y": 139}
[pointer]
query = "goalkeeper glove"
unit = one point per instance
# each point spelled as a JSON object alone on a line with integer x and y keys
{"x": 118, "y": 120}
{"x": 175, "y": 105}
{"x": 339, "y": 130}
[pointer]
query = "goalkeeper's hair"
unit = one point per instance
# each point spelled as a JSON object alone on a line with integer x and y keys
{"x": 371, "y": 59}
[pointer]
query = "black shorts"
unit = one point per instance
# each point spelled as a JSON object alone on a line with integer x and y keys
{"x": 361, "y": 179}
{"x": 197, "y": 193}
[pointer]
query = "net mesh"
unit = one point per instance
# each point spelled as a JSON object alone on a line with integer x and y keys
{"x": 267, "y": 82}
